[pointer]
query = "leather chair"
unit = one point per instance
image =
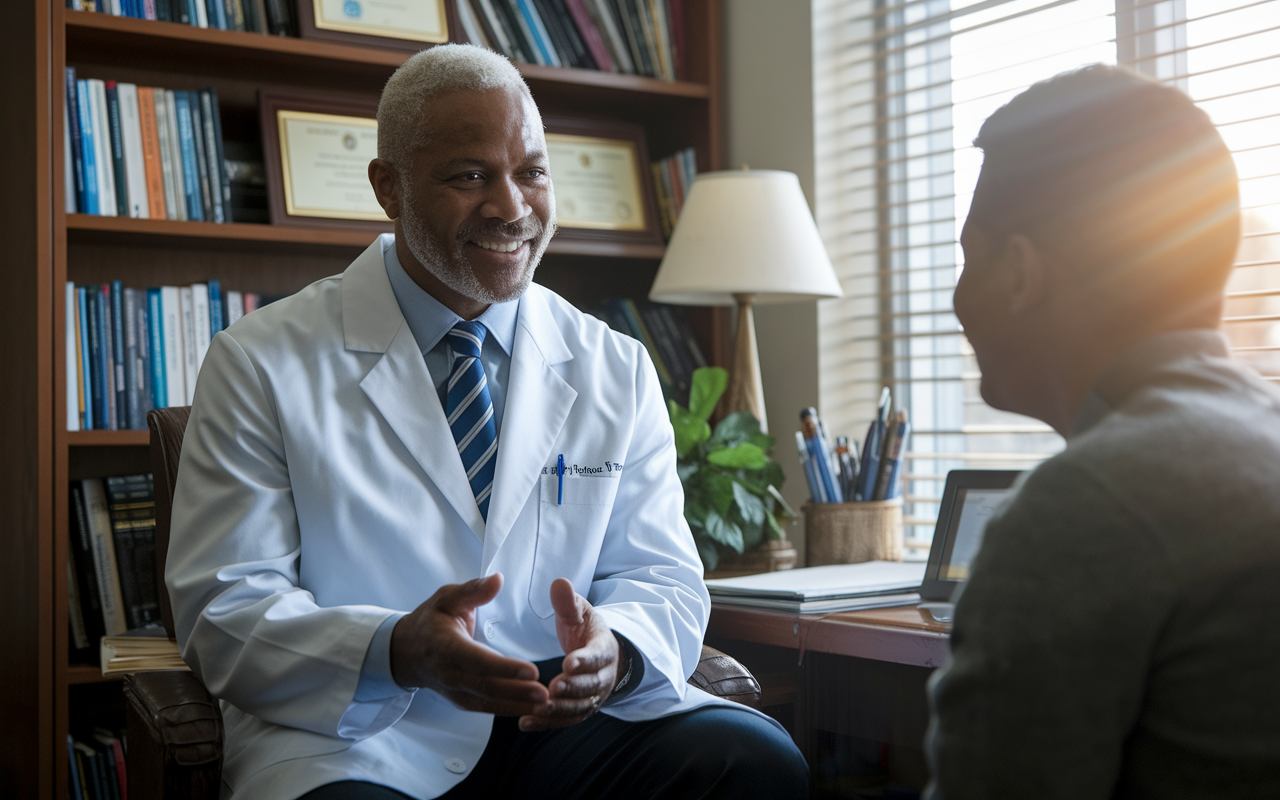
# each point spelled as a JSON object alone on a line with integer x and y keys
{"x": 175, "y": 725}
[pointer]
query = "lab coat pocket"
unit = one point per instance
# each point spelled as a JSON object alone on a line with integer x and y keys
{"x": 571, "y": 529}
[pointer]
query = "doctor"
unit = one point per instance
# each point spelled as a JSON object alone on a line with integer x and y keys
{"x": 377, "y": 561}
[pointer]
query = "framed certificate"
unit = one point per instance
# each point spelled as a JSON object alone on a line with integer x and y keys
{"x": 398, "y": 24}
{"x": 603, "y": 183}
{"x": 317, "y": 151}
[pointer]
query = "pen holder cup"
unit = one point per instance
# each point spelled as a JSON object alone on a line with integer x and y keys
{"x": 850, "y": 533}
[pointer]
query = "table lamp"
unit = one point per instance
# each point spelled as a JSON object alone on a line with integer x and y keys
{"x": 746, "y": 237}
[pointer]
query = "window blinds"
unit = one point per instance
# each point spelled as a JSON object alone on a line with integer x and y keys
{"x": 901, "y": 89}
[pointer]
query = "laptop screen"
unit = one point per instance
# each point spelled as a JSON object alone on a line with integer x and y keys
{"x": 970, "y": 498}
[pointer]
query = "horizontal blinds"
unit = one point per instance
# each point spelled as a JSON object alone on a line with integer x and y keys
{"x": 901, "y": 89}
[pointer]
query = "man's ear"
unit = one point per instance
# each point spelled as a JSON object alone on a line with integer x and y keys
{"x": 385, "y": 180}
{"x": 1026, "y": 272}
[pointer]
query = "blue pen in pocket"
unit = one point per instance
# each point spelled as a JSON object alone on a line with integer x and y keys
{"x": 560, "y": 480}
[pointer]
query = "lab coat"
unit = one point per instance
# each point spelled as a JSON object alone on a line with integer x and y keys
{"x": 320, "y": 491}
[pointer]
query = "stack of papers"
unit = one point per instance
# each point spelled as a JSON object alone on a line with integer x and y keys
{"x": 836, "y": 587}
{"x": 141, "y": 650}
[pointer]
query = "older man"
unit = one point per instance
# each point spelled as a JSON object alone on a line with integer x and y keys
{"x": 1118, "y": 635}
{"x": 428, "y": 535}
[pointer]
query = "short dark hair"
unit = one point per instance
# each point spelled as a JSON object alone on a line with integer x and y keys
{"x": 1118, "y": 171}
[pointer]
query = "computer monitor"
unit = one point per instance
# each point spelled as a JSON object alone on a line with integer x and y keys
{"x": 968, "y": 501}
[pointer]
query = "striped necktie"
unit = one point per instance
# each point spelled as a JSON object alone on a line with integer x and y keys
{"x": 470, "y": 411}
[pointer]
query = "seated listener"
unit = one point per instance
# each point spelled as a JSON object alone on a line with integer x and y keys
{"x": 373, "y": 555}
{"x": 1118, "y": 635}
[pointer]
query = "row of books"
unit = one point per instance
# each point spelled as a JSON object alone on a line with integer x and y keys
{"x": 665, "y": 332}
{"x": 633, "y": 37}
{"x": 139, "y": 151}
{"x": 672, "y": 177}
{"x": 111, "y": 571}
{"x": 132, "y": 350}
{"x": 97, "y": 762}
{"x": 276, "y": 17}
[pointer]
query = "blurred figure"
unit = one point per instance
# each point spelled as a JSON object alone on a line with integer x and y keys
{"x": 1117, "y": 637}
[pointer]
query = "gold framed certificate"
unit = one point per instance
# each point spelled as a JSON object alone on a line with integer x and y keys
{"x": 401, "y": 24}
{"x": 603, "y": 183}
{"x": 317, "y": 152}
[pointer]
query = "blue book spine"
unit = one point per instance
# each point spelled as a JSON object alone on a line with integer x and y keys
{"x": 107, "y": 361}
{"x": 77, "y": 144}
{"x": 215, "y": 307}
{"x": 223, "y": 180}
{"x": 117, "y": 150}
{"x": 190, "y": 170}
{"x": 98, "y": 379}
{"x": 217, "y": 14}
{"x": 74, "y": 777}
{"x": 540, "y": 38}
{"x": 159, "y": 393}
{"x": 118, "y": 354}
{"x": 142, "y": 362}
{"x": 87, "y": 141}
{"x": 86, "y": 359}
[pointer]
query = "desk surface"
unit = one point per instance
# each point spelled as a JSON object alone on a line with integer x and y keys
{"x": 901, "y": 635}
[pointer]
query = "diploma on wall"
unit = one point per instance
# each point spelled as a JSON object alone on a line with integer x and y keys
{"x": 325, "y": 158}
{"x": 597, "y": 183}
{"x": 414, "y": 20}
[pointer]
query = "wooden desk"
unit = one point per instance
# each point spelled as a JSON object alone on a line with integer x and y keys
{"x": 850, "y": 686}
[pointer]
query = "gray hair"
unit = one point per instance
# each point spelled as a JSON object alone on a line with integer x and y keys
{"x": 440, "y": 69}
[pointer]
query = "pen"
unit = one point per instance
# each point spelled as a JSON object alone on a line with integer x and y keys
{"x": 815, "y": 491}
{"x": 818, "y": 455}
{"x": 560, "y": 480}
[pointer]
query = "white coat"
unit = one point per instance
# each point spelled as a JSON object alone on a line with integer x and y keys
{"x": 320, "y": 491}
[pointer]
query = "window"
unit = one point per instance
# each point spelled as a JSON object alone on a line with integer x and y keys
{"x": 901, "y": 89}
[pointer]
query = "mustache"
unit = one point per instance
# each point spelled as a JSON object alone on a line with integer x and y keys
{"x": 527, "y": 228}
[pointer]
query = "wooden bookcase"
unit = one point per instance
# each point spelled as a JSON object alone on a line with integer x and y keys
{"x": 42, "y": 247}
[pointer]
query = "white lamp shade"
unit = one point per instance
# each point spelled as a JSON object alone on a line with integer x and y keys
{"x": 745, "y": 231}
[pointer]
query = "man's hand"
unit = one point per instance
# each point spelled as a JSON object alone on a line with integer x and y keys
{"x": 590, "y": 663}
{"x": 432, "y": 647}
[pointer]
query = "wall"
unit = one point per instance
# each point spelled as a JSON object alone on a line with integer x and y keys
{"x": 769, "y": 125}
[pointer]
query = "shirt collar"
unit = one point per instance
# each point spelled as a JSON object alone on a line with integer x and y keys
{"x": 429, "y": 319}
{"x": 1136, "y": 367}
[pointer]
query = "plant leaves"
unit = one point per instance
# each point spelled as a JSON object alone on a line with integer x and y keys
{"x": 743, "y": 456}
{"x": 707, "y": 550}
{"x": 750, "y": 507}
{"x": 718, "y": 489}
{"x": 690, "y": 431}
{"x": 686, "y": 471}
{"x": 708, "y": 384}
{"x": 738, "y": 427}
{"x": 774, "y": 528}
{"x": 764, "y": 441}
{"x": 724, "y": 532}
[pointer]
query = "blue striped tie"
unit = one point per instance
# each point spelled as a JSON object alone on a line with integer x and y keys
{"x": 470, "y": 411}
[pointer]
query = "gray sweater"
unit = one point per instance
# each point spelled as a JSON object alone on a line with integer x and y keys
{"x": 1120, "y": 634}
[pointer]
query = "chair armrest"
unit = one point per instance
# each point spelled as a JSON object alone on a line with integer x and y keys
{"x": 723, "y": 676}
{"x": 175, "y": 737}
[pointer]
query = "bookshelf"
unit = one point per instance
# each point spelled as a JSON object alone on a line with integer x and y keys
{"x": 43, "y": 247}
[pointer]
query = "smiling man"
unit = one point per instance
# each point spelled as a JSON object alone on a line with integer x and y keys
{"x": 1117, "y": 636}
{"x": 375, "y": 563}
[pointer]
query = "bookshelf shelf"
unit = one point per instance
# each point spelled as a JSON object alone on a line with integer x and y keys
{"x": 159, "y": 45}
{"x": 91, "y": 229}
{"x": 107, "y": 438}
{"x": 78, "y": 674}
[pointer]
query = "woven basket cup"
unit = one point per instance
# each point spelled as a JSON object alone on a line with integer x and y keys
{"x": 849, "y": 533}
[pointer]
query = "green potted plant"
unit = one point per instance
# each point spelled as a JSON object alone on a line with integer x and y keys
{"x": 731, "y": 485}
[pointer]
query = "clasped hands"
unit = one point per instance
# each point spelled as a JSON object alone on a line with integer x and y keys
{"x": 433, "y": 648}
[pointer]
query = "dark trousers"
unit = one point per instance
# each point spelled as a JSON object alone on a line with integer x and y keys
{"x": 708, "y": 753}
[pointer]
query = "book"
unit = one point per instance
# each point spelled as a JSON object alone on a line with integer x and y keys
{"x": 75, "y": 787}
{"x": 235, "y": 307}
{"x": 471, "y": 27}
{"x": 603, "y": 15}
{"x": 104, "y": 556}
{"x": 102, "y": 148}
{"x": 200, "y": 154}
{"x": 114, "y": 136}
{"x": 135, "y": 175}
{"x": 106, "y": 354}
{"x": 159, "y": 359}
{"x": 629, "y": 18}
{"x": 84, "y": 334}
{"x": 190, "y": 171}
{"x": 137, "y": 388}
{"x": 170, "y": 159}
{"x": 76, "y": 165}
{"x": 221, "y": 188}
{"x": 186, "y": 321}
{"x": 97, "y": 379}
{"x": 89, "y": 150}
{"x": 521, "y": 23}
{"x": 172, "y": 347}
{"x": 591, "y": 37}
{"x": 149, "y": 142}
{"x": 121, "y": 392}
{"x": 80, "y": 548}
{"x": 203, "y": 329}
{"x": 835, "y": 587}
{"x": 77, "y": 635}
{"x": 143, "y": 650}
{"x": 71, "y": 357}
{"x": 132, "y": 509}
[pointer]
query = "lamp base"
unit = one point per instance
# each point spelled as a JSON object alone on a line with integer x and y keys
{"x": 746, "y": 391}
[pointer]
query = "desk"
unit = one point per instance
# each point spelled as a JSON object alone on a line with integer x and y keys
{"x": 850, "y": 686}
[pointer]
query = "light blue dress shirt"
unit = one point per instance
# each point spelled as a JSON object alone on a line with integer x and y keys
{"x": 429, "y": 320}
